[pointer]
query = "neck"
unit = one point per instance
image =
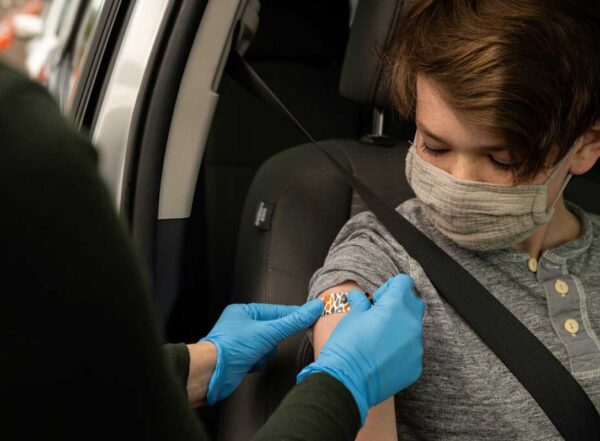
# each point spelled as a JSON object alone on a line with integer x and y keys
{"x": 562, "y": 227}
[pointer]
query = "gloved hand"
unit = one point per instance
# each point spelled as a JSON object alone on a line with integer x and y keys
{"x": 246, "y": 334}
{"x": 376, "y": 351}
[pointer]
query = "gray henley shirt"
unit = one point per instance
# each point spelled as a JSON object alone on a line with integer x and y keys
{"x": 465, "y": 391}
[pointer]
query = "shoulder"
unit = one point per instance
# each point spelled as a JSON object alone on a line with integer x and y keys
{"x": 9, "y": 77}
{"x": 47, "y": 170}
{"x": 590, "y": 221}
{"x": 594, "y": 224}
{"x": 14, "y": 87}
{"x": 36, "y": 138}
{"x": 365, "y": 237}
{"x": 366, "y": 222}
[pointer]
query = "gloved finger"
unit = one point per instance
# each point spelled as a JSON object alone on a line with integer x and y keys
{"x": 358, "y": 301}
{"x": 265, "y": 311}
{"x": 401, "y": 281}
{"x": 383, "y": 288}
{"x": 299, "y": 320}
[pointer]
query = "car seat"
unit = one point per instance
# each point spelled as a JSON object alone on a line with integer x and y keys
{"x": 299, "y": 49}
{"x": 295, "y": 207}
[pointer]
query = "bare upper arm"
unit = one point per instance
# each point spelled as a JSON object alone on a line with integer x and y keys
{"x": 381, "y": 419}
{"x": 325, "y": 326}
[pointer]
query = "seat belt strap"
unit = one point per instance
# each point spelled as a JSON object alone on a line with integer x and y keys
{"x": 551, "y": 385}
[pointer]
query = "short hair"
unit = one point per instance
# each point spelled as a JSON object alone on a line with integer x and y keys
{"x": 526, "y": 70}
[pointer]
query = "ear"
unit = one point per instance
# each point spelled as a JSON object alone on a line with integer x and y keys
{"x": 587, "y": 152}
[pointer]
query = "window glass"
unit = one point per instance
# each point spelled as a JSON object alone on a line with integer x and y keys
{"x": 83, "y": 40}
{"x": 64, "y": 13}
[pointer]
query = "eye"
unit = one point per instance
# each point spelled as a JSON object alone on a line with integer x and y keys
{"x": 431, "y": 151}
{"x": 502, "y": 166}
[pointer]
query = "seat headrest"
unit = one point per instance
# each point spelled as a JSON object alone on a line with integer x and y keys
{"x": 313, "y": 30}
{"x": 363, "y": 78}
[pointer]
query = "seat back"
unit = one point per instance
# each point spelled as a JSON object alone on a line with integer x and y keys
{"x": 298, "y": 49}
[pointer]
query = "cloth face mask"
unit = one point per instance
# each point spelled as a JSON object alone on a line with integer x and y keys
{"x": 477, "y": 215}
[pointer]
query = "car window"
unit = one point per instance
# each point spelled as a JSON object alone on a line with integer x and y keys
{"x": 64, "y": 13}
{"x": 82, "y": 44}
{"x": 51, "y": 17}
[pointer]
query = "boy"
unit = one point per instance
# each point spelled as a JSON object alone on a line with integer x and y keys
{"x": 506, "y": 99}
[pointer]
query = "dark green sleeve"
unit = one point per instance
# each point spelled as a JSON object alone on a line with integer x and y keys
{"x": 319, "y": 408}
{"x": 80, "y": 350}
{"x": 179, "y": 358}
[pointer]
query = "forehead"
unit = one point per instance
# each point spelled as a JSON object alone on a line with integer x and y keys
{"x": 434, "y": 113}
{"x": 429, "y": 97}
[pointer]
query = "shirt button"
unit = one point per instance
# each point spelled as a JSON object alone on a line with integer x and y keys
{"x": 561, "y": 287}
{"x": 571, "y": 326}
{"x": 532, "y": 264}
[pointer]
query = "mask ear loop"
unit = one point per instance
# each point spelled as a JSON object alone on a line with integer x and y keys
{"x": 565, "y": 183}
{"x": 562, "y": 189}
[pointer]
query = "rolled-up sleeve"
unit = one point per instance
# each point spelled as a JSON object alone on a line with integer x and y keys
{"x": 361, "y": 253}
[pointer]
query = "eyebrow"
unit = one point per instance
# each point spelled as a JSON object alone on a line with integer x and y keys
{"x": 441, "y": 140}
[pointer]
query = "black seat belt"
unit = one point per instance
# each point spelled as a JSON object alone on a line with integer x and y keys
{"x": 549, "y": 383}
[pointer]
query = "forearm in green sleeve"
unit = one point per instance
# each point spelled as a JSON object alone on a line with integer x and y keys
{"x": 178, "y": 356}
{"x": 318, "y": 408}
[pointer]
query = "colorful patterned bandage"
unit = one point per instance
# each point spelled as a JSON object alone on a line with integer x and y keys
{"x": 337, "y": 302}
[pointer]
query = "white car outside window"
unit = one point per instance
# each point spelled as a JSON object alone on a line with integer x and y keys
{"x": 40, "y": 48}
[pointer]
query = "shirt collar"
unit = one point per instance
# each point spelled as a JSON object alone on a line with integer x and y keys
{"x": 567, "y": 250}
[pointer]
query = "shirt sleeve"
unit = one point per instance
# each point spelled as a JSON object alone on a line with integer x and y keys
{"x": 80, "y": 349}
{"x": 362, "y": 252}
{"x": 319, "y": 408}
{"x": 179, "y": 357}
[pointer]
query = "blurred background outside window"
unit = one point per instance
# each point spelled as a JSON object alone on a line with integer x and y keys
{"x": 20, "y": 22}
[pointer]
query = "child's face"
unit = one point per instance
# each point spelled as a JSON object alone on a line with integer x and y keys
{"x": 459, "y": 147}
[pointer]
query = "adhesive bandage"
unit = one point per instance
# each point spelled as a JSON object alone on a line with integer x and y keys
{"x": 337, "y": 302}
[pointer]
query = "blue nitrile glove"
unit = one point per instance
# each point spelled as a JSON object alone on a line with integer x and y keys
{"x": 246, "y": 334}
{"x": 376, "y": 351}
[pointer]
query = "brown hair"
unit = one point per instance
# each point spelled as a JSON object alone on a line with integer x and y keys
{"x": 527, "y": 70}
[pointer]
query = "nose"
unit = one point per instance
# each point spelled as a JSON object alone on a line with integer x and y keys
{"x": 466, "y": 169}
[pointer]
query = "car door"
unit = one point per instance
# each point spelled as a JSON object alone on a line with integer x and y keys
{"x": 148, "y": 104}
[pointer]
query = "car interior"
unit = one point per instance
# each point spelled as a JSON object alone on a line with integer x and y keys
{"x": 276, "y": 258}
{"x": 266, "y": 203}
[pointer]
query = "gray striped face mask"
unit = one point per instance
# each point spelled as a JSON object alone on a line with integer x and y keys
{"x": 477, "y": 215}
